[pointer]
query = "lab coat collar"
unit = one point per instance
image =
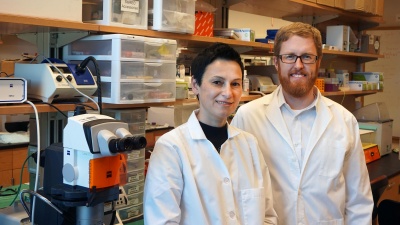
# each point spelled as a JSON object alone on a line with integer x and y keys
{"x": 196, "y": 132}
{"x": 323, "y": 118}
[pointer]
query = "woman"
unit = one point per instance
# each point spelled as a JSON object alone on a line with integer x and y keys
{"x": 206, "y": 171}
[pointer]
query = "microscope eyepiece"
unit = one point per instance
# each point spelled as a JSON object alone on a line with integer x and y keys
{"x": 126, "y": 144}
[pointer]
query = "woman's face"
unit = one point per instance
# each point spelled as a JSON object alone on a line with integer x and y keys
{"x": 219, "y": 93}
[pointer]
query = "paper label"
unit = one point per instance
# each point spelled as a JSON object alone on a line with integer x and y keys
{"x": 130, "y": 6}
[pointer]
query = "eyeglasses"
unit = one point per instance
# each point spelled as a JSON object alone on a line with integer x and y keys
{"x": 305, "y": 58}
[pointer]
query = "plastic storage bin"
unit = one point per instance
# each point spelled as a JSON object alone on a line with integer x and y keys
{"x": 130, "y": 212}
{"x": 135, "y": 164}
{"x": 107, "y": 47}
{"x": 133, "y": 188}
{"x": 160, "y": 49}
{"x": 135, "y": 199}
{"x": 132, "y": 14}
{"x": 135, "y": 175}
{"x": 140, "y": 71}
{"x": 172, "y": 15}
{"x": 375, "y": 112}
{"x": 132, "y": 92}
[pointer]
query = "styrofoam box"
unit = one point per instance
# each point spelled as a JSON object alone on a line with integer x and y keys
{"x": 135, "y": 199}
{"x": 113, "y": 70}
{"x": 122, "y": 47}
{"x": 132, "y": 14}
{"x": 135, "y": 164}
{"x": 58, "y": 9}
{"x": 131, "y": 212}
{"x": 135, "y": 175}
{"x": 133, "y": 188}
{"x": 132, "y": 92}
{"x": 172, "y": 15}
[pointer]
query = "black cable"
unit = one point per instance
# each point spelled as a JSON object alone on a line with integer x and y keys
{"x": 20, "y": 178}
{"x": 55, "y": 108}
{"x": 86, "y": 105}
{"x": 113, "y": 216}
{"x": 82, "y": 67}
{"x": 4, "y": 73}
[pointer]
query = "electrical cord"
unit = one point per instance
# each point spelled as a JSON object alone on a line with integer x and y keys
{"x": 20, "y": 179}
{"x": 81, "y": 69}
{"x": 45, "y": 200}
{"x": 55, "y": 107}
{"x": 36, "y": 185}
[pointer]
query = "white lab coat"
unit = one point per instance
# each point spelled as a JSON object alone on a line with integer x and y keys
{"x": 333, "y": 186}
{"x": 189, "y": 183}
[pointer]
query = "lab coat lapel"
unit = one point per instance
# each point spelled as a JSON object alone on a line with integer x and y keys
{"x": 322, "y": 120}
{"x": 274, "y": 115}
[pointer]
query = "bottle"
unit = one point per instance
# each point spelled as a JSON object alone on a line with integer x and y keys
{"x": 246, "y": 83}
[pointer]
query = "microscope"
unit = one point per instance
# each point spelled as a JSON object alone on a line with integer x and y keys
{"x": 83, "y": 174}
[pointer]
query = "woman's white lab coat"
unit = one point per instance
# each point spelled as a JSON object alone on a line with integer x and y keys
{"x": 188, "y": 182}
{"x": 333, "y": 186}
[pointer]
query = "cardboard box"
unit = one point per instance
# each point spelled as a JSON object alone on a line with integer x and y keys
{"x": 339, "y": 4}
{"x": 58, "y": 9}
{"x": 379, "y": 6}
{"x": 327, "y": 2}
{"x": 359, "y": 5}
{"x": 204, "y": 24}
{"x": 370, "y": 44}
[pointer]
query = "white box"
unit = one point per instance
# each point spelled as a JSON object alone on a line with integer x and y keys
{"x": 172, "y": 15}
{"x": 70, "y": 10}
{"x": 338, "y": 36}
{"x": 343, "y": 79}
{"x": 135, "y": 71}
{"x": 357, "y": 85}
{"x": 245, "y": 34}
{"x": 368, "y": 76}
{"x": 126, "y": 13}
{"x": 133, "y": 92}
{"x": 383, "y": 135}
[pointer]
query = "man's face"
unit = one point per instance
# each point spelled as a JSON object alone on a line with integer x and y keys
{"x": 297, "y": 79}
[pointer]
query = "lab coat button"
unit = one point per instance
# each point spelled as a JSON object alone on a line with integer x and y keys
{"x": 232, "y": 214}
{"x": 226, "y": 180}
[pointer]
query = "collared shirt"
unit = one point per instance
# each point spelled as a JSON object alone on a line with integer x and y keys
{"x": 299, "y": 124}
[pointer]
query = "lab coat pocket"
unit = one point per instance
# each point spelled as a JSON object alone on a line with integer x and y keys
{"x": 331, "y": 163}
{"x": 253, "y": 201}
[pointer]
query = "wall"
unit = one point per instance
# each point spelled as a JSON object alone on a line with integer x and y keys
{"x": 13, "y": 47}
{"x": 390, "y": 66}
{"x": 263, "y": 23}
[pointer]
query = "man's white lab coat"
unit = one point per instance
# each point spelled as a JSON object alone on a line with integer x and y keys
{"x": 188, "y": 182}
{"x": 332, "y": 187}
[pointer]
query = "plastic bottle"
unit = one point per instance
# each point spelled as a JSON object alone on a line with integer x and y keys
{"x": 246, "y": 83}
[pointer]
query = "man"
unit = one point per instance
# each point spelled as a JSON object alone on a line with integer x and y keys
{"x": 205, "y": 171}
{"x": 311, "y": 144}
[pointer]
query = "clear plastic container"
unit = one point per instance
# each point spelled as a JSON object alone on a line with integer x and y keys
{"x": 137, "y": 71}
{"x": 135, "y": 176}
{"x": 131, "y": 212}
{"x": 135, "y": 164}
{"x": 132, "y": 14}
{"x": 375, "y": 112}
{"x": 133, "y": 188}
{"x": 132, "y": 92}
{"x": 172, "y": 15}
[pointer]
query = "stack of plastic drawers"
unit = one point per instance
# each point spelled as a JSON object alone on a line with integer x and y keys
{"x": 133, "y": 208}
{"x": 133, "y": 69}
